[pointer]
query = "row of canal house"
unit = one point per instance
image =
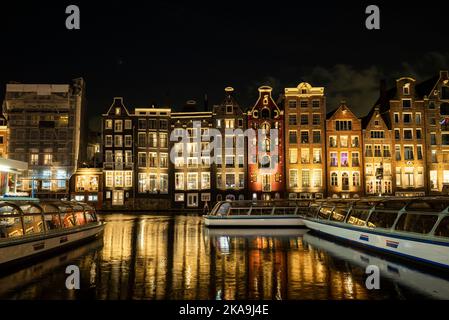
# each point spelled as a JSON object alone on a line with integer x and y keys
{"x": 401, "y": 147}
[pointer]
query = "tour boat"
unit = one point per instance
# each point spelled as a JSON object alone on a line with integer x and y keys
{"x": 29, "y": 228}
{"x": 259, "y": 214}
{"x": 427, "y": 283}
{"x": 416, "y": 229}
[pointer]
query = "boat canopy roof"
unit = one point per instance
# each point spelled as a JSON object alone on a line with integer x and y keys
{"x": 44, "y": 207}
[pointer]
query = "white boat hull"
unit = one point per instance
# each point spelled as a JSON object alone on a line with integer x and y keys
{"x": 22, "y": 248}
{"x": 252, "y": 221}
{"x": 423, "y": 250}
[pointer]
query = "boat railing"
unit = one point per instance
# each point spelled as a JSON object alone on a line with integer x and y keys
{"x": 20, "y": 218}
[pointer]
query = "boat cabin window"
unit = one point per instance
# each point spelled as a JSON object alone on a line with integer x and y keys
{"x": 224, "y": 209}
{"x": 382, "y": 219}
{"x": 51, "y": 216}
{"x": 358, "y": 217}
{"x": 78, "y": 212}
{"x": 391, "y": 205}
{"x": 10, "y": 222}
{"x": 427, "y": 206}
{"x": 339, "y": 214}
{"x": 443, "y": 228}
{"x": 417, "y": 223}
{"x": 324, "y": 213}
{"x": 313, "y": 211}
{"x": 32, "y": 219}
{"x": 91, "y": 216}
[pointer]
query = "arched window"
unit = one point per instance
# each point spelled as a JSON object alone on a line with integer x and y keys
{"x": 265, "y": 114}
{"x": 230, "y": 197}
{"x": 356, "y": 179}
{"x": 241, "y": 197}
{"x": 219, "y": 198}
{"x": 265, "y": 162}
{"x": 334, "y": 179}
{"x": 345, "y": 179}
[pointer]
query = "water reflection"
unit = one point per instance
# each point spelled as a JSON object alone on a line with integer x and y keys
{"x": 161, "y": 257}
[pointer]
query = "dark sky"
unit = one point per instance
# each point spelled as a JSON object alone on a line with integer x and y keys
{"x": 166, "y": 53}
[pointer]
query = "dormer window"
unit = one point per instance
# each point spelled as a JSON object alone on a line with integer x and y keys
{"x": 406, "y": 89}
{"x": 229, "y": 109}
{"x": 117, "y": 111}
{"x": 304, "y": 91}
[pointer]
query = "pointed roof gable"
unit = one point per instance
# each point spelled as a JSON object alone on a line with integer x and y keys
{"x": 265, "y": 99}
{"x": 117, "y": 103}
{"x": 342, "y": 108}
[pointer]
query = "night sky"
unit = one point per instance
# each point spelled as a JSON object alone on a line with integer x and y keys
{"x": 165, "y": 53}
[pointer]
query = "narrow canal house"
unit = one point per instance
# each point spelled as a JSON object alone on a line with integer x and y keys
{"x": 47, "y": 128}
{"x": 191, "y": 180}
{"x": 344, "y": 153}
{"x": 86, "y": 185}
{"x": 305, "y": 112}
{"x": 4, "y": 135}
{"x": 405, "y": 108}
{"x": 118, "y": 151}
{"x": 152, "y": 165}
{"x": 377, "y": 159}
{"x": 435, "y": 92}
{"x": 230, "y": 169}
{"x": 265, "y": 149}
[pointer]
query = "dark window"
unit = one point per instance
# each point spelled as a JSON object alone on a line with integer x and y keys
{"x": 265, "y": 114}
{"x": 407, "y": 117}
{"x": 304, "y": 119}
{"x": 379, "y": 219}
{"x": 406, "y": 103}
{"x": 418, "y": 134}
{"x": 292, "y": 120}
{"x": 445, "y": 139}
{"x": 142, "y": 124}
{"x": 396, "y": 118}
{"x": 316, "y": 137}
{"x": 397, "y": 134}
{"x": 445, "y": 92}
{"x": 304, "y": 137}
{"x": 433, "y": 139}
{"x": 444, "y": 109}
{"x": 408, "y": 134}
{"x": 417, "y": 223}
{"x": 316, "y": 119}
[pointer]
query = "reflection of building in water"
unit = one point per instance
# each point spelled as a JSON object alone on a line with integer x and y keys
{"x": 191, "y": 262}
{"x": 282, "y": 268}
{"x": 113, "y": 282}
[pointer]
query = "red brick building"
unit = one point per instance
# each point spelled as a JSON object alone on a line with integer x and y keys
{"x": 265, "y": 148}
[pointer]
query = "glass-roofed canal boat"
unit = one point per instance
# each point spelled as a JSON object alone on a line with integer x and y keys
{"x": 258, "y": 214}
{"x": 416, "y": 229}
{"x": 29, "y": 227}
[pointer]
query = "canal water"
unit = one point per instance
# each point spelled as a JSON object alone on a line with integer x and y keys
{"x": 162, "y": 257}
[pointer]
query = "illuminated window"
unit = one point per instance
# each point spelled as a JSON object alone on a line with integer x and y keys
{"x": 317, "y": 178}
{"x": 333, "y": 141}
{"x": 343, "y": 141}
{"x": 334, "y": 179}
{"x": 118, "y": 177}
{"x": 192, "y": 181}
{"x": 109, "y": 179}
{"x": 205, "y": 180}
{"x": 163, "y": 185}
{"x": 163, "y": 160}
{"x": 108, "y": 141}
{"x": 128, "y": 124}
{"x": 434, "y": 179}
{"x": 334, "y": 159}
{"x": 128, "y": 179}
{"x": 293, "y": 156}
{"x": 163, "y": 140}
{"x": 356, "y": 179}
{"x": 108, "y": 124}
{"x": 152, "y": 139}
{"x": 128, "y": 141}
{"x": 118, "y": 126}
{"x": 48, "y": 159}
{"x": 293, "y": 178}
{"x": 118, "y": 141}
{"x": 34, "y": 159}
{"x": 179, "y": 181}
{"x": 305, "y": 156}
{"x": 344, "y": 159}
{"x": 316, "y": 156}
{"x": 305, "y": 178}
